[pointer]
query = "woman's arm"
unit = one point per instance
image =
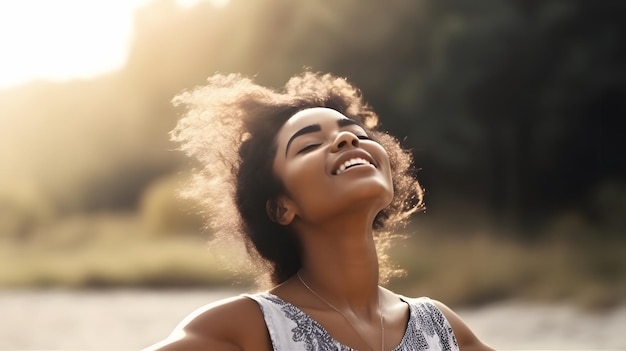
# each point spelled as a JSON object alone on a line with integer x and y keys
{"x": 464, "y": 336}
{"x": 234, "y": 324}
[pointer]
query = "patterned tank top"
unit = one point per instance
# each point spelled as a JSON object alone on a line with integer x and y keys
{"x": 292, "y": 329}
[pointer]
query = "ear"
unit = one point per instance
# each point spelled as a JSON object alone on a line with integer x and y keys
{"x": 281, "y": 210}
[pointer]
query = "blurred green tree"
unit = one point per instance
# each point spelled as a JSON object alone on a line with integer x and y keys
{"x": 512, "y": 107}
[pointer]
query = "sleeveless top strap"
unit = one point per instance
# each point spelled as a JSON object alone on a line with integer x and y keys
{"x": 428, "y": 328}
{"x": 292, "y": 329}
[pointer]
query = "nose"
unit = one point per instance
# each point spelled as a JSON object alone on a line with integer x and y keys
{"x": 344, "y": 139}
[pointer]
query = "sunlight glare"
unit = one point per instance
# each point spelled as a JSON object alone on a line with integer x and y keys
{"x": 192, "y": 3}
{"x": 63, "y": 39}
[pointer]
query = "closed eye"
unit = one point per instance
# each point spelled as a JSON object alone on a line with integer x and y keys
{"x": 363, "y": 137}
{"x": 308, "y": 148}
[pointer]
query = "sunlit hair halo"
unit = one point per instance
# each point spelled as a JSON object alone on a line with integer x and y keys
{"x": 230, "y": 127}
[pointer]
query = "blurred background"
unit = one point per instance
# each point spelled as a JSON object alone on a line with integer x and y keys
{"x": 513, "y": 109}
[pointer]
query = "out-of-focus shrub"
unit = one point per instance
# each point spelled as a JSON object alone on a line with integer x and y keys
{"x": 164, "y": 212}
{"x": 23, "y": 209}
{"x": 608, "y": 203}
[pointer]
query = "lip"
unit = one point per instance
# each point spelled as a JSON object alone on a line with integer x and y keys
{"x": 355, "y": 153}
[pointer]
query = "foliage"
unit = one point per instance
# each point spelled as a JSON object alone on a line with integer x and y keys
{"x": 513, "y": 106}
{"x": 513, "y": 110}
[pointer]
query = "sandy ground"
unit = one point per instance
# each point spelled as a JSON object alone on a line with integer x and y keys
{"x": 130, "y": 320}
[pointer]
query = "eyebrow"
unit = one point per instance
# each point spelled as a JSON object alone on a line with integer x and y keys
{"x": 344, "y": 122}
{"x": 306, "y": 130}
{"x": 316, "y": 128}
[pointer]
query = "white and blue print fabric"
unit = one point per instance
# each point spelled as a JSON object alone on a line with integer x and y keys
{"x": 292, "y": 329}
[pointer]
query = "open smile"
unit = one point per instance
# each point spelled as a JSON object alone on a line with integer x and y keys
{"x": 353, "y": 162}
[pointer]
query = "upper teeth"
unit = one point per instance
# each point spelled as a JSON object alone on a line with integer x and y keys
{"x": 351, "y": 162}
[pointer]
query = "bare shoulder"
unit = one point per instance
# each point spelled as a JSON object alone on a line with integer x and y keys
{"x": 227, "y": 325}
{"x": 464, "y": 335}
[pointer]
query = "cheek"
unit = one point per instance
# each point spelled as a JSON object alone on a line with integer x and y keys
{"x": 383, "y": 158}
{"x": 308, "y": 185}
{"x": 303, "y": 177}
{"x": 386, "y": 164}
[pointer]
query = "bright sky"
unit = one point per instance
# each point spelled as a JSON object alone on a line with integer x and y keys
{"x": 64, "y": 39}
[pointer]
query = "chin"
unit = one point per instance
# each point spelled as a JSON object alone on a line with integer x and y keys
{"x": 376, "y": 193}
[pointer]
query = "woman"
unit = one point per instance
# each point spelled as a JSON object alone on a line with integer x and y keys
{"x": 315, "y": 190}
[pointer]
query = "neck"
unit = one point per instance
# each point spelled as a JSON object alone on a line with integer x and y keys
{"x": 340, "y": 264}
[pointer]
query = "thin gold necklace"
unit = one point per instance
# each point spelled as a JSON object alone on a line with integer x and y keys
{"x": 382, "y": 319}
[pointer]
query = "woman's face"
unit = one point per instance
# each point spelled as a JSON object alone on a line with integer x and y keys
{"x": 328, "y": 165}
